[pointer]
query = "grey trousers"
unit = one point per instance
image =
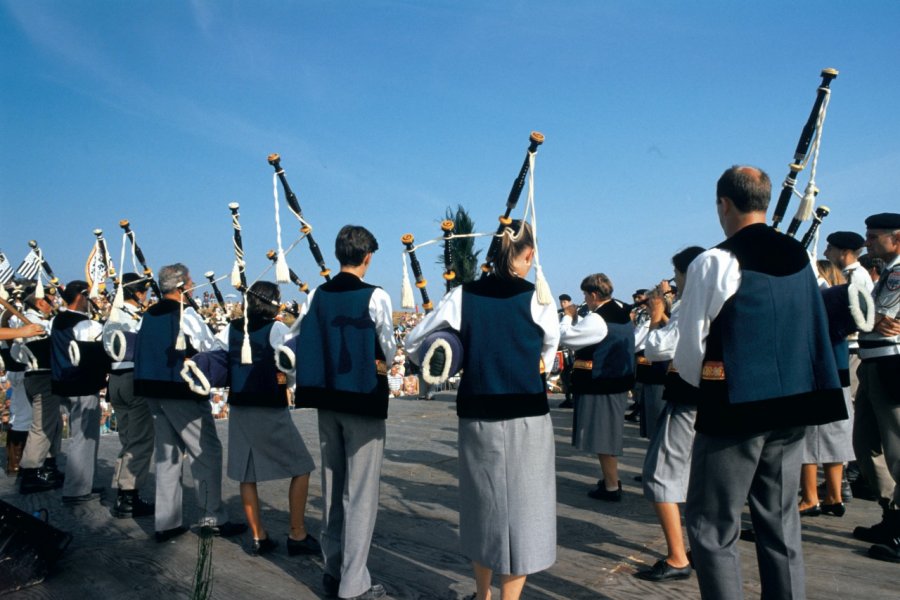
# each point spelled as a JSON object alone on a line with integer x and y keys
{"x": 45, "y": 434}
{"x": 352, "y": 450}
{"x": 135, "y": 426}
{"x": 186, "y": 426}
{"x": 876, "y": 432}
{"x": 764, "y": 470}
{"x": 84, "y": 440}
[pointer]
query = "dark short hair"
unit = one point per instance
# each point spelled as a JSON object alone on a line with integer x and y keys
{"x": 352, "y": 244}
{"x": 73, "y": 290}
{"x": 134, "y": 284}
{"x": 263, "y": 300}
{"x": 598, "y": 283}
{"x": 748, "y": 187}
{"x": 683, "y": 259}
{"x": 563, "y": 297}
{"x": 870, "y": 262}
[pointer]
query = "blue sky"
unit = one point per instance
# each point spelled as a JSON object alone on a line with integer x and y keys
{"x": 386, "y": 113}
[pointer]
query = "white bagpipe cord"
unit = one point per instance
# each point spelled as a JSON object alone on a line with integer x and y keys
{"x": 808, "y": 198}
{"x": 541, "y": 287}
{"x": 407, "y": 300}
{"x": 39, "y": 286}
{"x": 119, "y": 299}
{"x": 180, "y": 342}
{"x": 282, "y": 271}
{"x": 246, "y": 354}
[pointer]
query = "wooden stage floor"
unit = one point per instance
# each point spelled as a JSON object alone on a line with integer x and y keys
{"x": 415, "y": 550}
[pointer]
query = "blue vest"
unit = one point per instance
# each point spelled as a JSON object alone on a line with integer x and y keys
{"x": 613, "y": 357}
{"x": 772, "y": 338}
{"x": 65, "y": 378}
{"x": 336, "y": 351}
{"x": 501, "y": 370}
{"x": 259, "y": 383}
{"x": 157, "y": 364}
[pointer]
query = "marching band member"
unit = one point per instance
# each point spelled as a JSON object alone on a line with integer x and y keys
{"x": 603, "y": 341}
{"x": 182, "y": 423}
{"x": 667, "y": 464}
{"x": 751, "y": 310}
{"x": 38, "y": 465}
{"x": 133, "y": 418}
{"x": 79, "y": 386}
{"x": 877, "y": 423}
{"x": 344, "y": 335}
{"x": 263, "y": 442}
{"x": 507, "y": 520}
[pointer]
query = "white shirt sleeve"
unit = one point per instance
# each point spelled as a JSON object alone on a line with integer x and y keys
{"x": 590, "y": 329}
{"x": 381, "y": 312}
{"x": 546, "y": 317}
{"x": 447, "y": 315}
{"x": 304, "y": 309}
{"x": 661, "y": 342}
{"x": 198, "y": 331}
{"x": 641, "y": 331}
{"x": 712, "y": 279}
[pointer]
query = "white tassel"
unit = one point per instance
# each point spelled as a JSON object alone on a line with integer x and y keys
{"x": 246, "y": 355}
{"x": 236, "y": 275}
{"x": 118, "y": 303}
{"x": 407, "y": 300}
{"x": 39, "y": 288}
{"x": 180, "y": 342}
{"x": 807, "y": 203}
{"x": 541, "y": 287}
{"x": 282, "y": 271}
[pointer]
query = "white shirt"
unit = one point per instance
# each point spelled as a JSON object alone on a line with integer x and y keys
{"x": 661, "y": 342}
{"x": 589, "y": 330}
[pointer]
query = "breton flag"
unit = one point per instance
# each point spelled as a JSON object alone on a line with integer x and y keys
{"x": 6, "y": 270}
{"x": 30, "y": 266}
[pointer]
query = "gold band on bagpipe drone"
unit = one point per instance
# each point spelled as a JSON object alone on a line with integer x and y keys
{"x": 807, "y": 148}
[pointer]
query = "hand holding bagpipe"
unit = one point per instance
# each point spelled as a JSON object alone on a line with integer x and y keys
{"x": 294, "y": 205}
{"x": 148, "y": 272}
{"x": 536, "y": 139}
{"x": 806, "y": 136}
{"x": 295, "y": 279}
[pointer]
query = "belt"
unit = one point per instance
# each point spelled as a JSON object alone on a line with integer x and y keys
{"x": 587, "y": 365}
{"x": 713, "y": 370}
{"x": 672, "y": 368}
{"x": 643, "y": 360}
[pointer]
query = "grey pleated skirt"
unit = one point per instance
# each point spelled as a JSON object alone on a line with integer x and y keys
{"x": 652, "y": 405}
{"x": 264, "y": 444}
{"x": 831, "y": 442}
{"x": 507, "y": 488}
{"x": 599, "y": 423}
{"x": 667, "y": 465}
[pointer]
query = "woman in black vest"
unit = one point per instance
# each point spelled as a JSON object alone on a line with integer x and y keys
{"x": 507, "y": 481}
{"x": 263, "y": 442}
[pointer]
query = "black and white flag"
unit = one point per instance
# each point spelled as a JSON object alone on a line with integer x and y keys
{"x": 30, "y": 266}
{"x": 6, "y": 270}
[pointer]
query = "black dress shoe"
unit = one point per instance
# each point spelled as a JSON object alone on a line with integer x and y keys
{"x": 889, "y": 552}
{"x": 837, "y": 509}
{"x": 331, "y": 585}
{"x": 376, "y": 591}
{"x": 601, "y": 493}
{"x": 72, "y": 500}
{"x": 168, "y": 534}
{"x": 263, "y": 546}
{"x": 308, "y": 545}
{"x": 812, "y": 511}
{"x": 748, "y": 535}
{"x": 229, "y": 529}
{"x": 663, "y": 571}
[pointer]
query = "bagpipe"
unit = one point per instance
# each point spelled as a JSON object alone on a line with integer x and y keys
{"x": 441, "y": 352}
{"x": 807, "y": 149}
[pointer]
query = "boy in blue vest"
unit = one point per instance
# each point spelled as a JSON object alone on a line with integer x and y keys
{"x": 345, "y": 335}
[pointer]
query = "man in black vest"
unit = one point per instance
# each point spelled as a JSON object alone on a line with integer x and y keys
{"x": 78, "y": 384}
{"x": 344, "y": 335}
{"x": 753, "y": 337}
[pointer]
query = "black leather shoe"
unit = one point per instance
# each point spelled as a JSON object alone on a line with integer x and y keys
{"x": 34, "y": 480}
{"x": 880, "y": 533}
{"x": 837, "y": 510}
{"x": 601, "y": 493}
{"x": 263, "y": 546}
{"x": 889, "y": 552}
{"x": 229, "y": 529}
{"x": 376, "y": 591}
{"x": 168, "y": 534}
{"x": 812, "y": 511}
{"x": 72, "y": 500}
{"x": 308, "y": 545}
{"x": 748, "y": 535}
{"x": 663, "y": 571}
{"x": 331, "y": 585}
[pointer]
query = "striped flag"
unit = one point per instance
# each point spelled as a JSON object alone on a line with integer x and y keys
{"x": 30, "y": 266}
{"x": 6, "y": 270}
